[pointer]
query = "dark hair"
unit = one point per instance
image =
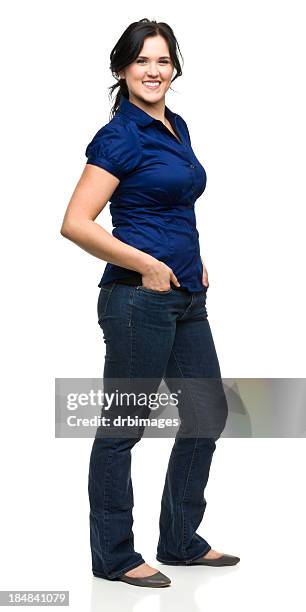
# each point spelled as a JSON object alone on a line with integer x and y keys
{"x": 128, "y": 48}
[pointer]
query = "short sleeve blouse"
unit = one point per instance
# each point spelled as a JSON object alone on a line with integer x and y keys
{"x": 160, "y": 179}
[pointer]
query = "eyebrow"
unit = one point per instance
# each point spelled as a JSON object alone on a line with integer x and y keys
{"x": 161, "y": 57}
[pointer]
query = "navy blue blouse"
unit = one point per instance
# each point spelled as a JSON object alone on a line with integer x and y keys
{"x": 152, "y": 207}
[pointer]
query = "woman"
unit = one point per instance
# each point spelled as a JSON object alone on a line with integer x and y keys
{"x": 151, "y": 305}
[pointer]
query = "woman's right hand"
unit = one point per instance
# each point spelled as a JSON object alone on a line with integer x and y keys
{"x": 158, "y": 276}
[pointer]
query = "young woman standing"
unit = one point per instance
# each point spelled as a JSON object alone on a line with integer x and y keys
{"x": 152, "y": 301}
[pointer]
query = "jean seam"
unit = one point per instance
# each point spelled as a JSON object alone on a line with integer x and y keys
{"x": 183, "y": 377}
{"x": 110, "y": 290}
{"x": 100, "y": 546}
{"x": 188, "y": 308}
{"x": 131, "y": 302}
{"x": 191, "y": 463}
{"x": 105, "y": 518}
{"x": 186, "y": 486}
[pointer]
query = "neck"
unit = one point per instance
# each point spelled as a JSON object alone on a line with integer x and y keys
{"x": 154, "y": 109}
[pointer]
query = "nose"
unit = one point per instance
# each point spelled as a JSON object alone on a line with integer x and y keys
{"x": 153, "y": 70}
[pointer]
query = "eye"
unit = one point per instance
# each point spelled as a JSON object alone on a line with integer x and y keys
{"x": 162, "y": 61}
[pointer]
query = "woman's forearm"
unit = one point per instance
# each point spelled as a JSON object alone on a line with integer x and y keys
{"x": 94, "y": 239}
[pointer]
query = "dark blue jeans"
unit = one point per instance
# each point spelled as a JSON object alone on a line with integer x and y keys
{"x": 164, "y": 335}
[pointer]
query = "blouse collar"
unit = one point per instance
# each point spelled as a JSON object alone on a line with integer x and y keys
{"x": 137, "y": 114}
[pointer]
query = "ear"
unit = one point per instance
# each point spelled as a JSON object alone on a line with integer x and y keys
{"x": 121, "y": 74}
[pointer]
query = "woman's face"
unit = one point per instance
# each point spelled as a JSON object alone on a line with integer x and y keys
{"x": 152, "y": 64}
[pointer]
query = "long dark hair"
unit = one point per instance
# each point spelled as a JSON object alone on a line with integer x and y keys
{"x": 128, "y": 47}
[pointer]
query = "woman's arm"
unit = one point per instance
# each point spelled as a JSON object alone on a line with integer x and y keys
{"x": 90, "y": 196}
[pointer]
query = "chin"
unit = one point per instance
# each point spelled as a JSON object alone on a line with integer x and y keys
{"x": 149, "y": 97}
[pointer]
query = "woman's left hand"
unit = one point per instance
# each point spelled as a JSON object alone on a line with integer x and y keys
{"x": 205, "y": 275}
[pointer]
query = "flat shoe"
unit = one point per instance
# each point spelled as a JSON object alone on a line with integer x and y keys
{"x": 156, "y": 580}
{"x": 219, "y": 562}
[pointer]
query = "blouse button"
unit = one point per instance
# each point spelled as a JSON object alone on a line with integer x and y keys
{"x": 192, "y": 166}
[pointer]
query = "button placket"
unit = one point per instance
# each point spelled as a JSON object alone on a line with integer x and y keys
{"x": 193, "y": 178}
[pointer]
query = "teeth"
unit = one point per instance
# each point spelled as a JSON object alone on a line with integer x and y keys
{"x": 151, "y": 84}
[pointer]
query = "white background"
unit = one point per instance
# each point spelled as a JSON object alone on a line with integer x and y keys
{"x": 242, "y": 94}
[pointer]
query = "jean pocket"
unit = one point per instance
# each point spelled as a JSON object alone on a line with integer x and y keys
{"x": 156, "y": 291}
{"x": 103, "y": 299}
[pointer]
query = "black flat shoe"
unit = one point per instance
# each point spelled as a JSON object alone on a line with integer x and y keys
{"x": 156, "y": 580}
{"x": 219, "y": 562}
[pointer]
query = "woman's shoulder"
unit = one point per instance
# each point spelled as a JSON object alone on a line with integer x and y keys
{"x": 116, "y": 141}
{"x": 116, "y": 131}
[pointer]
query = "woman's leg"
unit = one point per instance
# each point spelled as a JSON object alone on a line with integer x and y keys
{"x": 203, "y": 411}
{"x": 138, "y": 331}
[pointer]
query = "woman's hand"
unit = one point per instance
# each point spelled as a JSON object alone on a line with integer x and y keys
{"x": 158, "y": 276}
{"x": 204, "y": 275}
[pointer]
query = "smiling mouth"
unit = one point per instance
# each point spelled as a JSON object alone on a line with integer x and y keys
{"x": 151, "y": 84}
